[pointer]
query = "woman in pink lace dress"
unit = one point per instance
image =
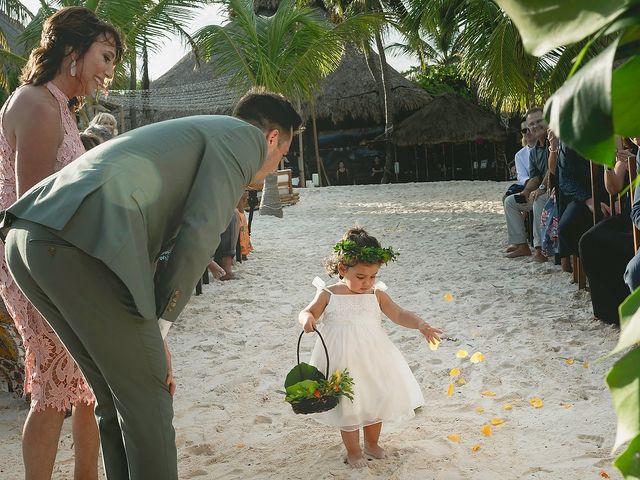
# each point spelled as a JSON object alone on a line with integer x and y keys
{"x": 38, "y": 136}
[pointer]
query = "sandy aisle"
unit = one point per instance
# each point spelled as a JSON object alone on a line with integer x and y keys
{"x": 233, "y": 346}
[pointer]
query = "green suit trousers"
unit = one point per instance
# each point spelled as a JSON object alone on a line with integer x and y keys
{"x": 120, "y": 353}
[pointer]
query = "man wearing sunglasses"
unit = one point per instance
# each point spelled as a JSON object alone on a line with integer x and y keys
{"x": 534, "y": 195}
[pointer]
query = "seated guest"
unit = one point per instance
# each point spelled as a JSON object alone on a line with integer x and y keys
{"x": 575, "y": 202}
{"x": 632, "y": 273}
{"x": 607, "y": 247}
{"x": 521, "y": 161}
{"x": 533, "y": 196}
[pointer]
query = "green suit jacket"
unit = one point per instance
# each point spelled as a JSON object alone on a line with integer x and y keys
{"x": 171, "y": 185}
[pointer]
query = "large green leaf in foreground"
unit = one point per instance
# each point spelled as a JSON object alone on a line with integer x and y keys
{"x": 629, "y": 462}
{"x": 548, "y": 24}
{"x": 624, "y": 381}
{"x": 580, "y": 111}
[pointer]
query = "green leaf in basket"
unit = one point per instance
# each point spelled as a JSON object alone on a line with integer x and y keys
{"x": 301, "y": 390}
{"x": 302, "y": 371}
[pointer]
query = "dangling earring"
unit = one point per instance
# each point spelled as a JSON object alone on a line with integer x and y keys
{"x": 73, "y": 70}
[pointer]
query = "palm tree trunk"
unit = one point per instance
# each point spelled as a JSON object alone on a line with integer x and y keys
{"x": 303, "y": 181}
{"x": 388, "y": 109}
{"x": 133, "y": 122}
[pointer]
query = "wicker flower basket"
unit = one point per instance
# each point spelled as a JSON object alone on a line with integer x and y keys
{"x": 316, "y": 404}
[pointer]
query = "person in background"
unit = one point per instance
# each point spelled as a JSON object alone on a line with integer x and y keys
{"x": 106, "y": 120}
{"x": 342, "y": 175}
{"x": 534, "y": 195}
{"x": 607, "y": 247}
{"x": 377, "y": 170}
{"x": 521, "y": 161}
{"x": 76, "y": 56}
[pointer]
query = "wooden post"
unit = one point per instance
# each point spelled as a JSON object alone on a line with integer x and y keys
{"x": 597, "y": 211}
{"x": 415, "y": 158}
{"x": 319, "y": 164}
{"x": 444, "y": 161}
{"x": 303, "y": 178}
{"x": 122, "y": 127}
{"x": 471, "y": 160}
{"x": 426, "y": 162}
{"x": 453, "y": 162}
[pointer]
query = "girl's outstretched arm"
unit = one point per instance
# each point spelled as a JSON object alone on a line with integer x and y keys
{"x": 309, "y": 316}
{"x": 406, "y": 318}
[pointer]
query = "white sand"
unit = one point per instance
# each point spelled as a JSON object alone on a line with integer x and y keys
{"x": 233, "y": 346}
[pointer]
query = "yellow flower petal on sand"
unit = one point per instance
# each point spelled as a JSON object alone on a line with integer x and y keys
{"x": 567, "y": 405}
{"x": 495, "y": 421}
{"x": 477, "y": 358}
{"x": 461, "y": 381}
{"x": 536, "y": 402}
{"x": 486, "y": 430}
{"x": 454, "y": 372}
{"x": 479, "y": 410}
{"x": 454, "y": 438}
{"x": 569, "y": 361}
{"x": 475, "y": 448}
{"x": 462, "y": 354}
{"x": 450, "y": 390}
{"x": 488, "y": 393}
{"x": 433, "y": 346}
{"x": 585, "y": 364}
{"x": 507, "y": 406}
{"x": 447, "y": 297}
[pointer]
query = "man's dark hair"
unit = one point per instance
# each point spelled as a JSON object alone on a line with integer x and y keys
{"x": 268, "y": 111}
{"x": 533, "y": 110}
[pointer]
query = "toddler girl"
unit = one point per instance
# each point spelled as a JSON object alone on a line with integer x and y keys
{"x": 384, "y": 387}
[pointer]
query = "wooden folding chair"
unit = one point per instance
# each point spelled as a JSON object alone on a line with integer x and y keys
{"x": 632, "y": 169}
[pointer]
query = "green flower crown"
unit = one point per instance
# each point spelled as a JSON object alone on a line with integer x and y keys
{"x": 350, "y": 250}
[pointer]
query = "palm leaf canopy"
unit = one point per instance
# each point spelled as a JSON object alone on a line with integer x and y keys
{"x": 289, "y": 52}
{"x": 448, "y": 118}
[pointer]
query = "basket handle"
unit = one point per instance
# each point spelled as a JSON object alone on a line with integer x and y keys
{"x": 326, "y": 352}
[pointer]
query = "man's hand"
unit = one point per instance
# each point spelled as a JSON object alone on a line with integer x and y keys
{"x": 170, "y": 380}
{"x": 535, "y": 194}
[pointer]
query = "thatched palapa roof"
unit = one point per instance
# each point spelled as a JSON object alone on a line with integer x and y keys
{"x": 188, "y": 88}
{"x": 351, "y": 91}
{"x": 348, "y": 93}
{"x": 12, "y": 30}
{"x": 448, "y": 118}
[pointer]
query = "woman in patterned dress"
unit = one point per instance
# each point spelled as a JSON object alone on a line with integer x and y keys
{"x": 38, "y": 136}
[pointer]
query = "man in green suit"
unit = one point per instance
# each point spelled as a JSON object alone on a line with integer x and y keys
{"x": 83, "y": 245}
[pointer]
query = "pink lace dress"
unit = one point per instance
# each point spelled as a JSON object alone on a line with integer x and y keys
{"x": 51, "y": 376}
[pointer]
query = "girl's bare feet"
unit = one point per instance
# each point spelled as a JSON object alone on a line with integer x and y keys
{"x": 356, "y": 461}
{"x": 376, "y": 451}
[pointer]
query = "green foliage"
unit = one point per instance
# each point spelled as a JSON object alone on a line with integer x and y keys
{"x": 599, "y": 99}
{"x": 305, "y": 381}
{"x": 440, "y": 79}
{"x": 351, "y": 251}
{"x": 289, "y": 52}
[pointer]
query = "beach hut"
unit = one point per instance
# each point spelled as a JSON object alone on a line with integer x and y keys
{"x": 451, "y": 138}
{"x": 348, "y": 106}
